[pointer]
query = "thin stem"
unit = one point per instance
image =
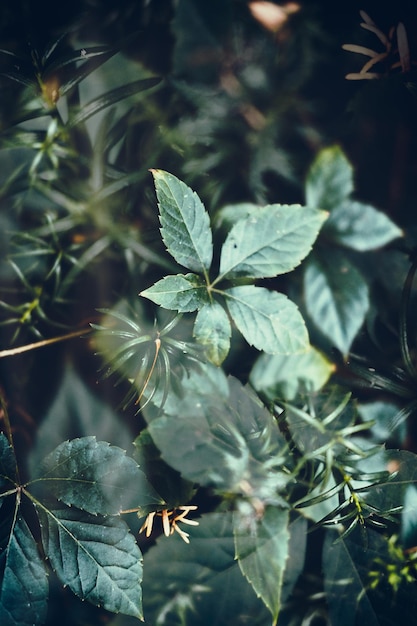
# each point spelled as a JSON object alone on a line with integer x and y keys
{"x": 44, "y": 342}
{"x": 405, "y": 299}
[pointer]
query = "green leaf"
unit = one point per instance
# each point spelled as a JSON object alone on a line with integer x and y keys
{"x": 268, "y": 320}
{"x": 8, "y": 470}
{"x": 285, "y": 377}
{"x": 329, "y": 180}
{"x": 347, "y": 565}
{"x": 110, "y": 98}
{"x": 95, "y": 477}
{"x": 262, "y": 551}
{"x": 336, "y": 296}
{"x": 200, "y": 583}
{"x": 182, "y": 293}
{"x": 97, "y": 557}
{"x": 212, "y": 329}
{"x": 185, "y": 223}
{"x": 360, "y": 227}
{"x": 270, "y": 242}
{"x": 228, "y": 442}
{"x": 24, "y": 582}
{"x": 232, "y": 213}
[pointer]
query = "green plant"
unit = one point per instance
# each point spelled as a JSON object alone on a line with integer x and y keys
{"x": 226, "y": 435}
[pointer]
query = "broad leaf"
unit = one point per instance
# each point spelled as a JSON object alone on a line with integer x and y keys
{"x": 329, "y": 180}
{"x": 182, "y": 293}
{"x": 8, "y": 471}
{"x": 360, "y": 226}
{"x": 232, "y": 213}
{"x": 285, "y": 377}
{"x": 200, "y": 583}
{"x": 336, "y": 296}
{"x": 347, "y": 565}
{"x": 95, "y": 477}
{"x": 23, "y": 578}
{"x": 212, "y": 329}
{"x": 268, "y": 320}
{"x": 97, "y": 557}
{"x": 262, "y": 551}
{"x": 231, "y": 443}
{"x": 185, "y": 223}
{"x": 272, "y": 241}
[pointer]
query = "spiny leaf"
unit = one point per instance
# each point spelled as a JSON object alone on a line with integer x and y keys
{"x": 182, "y": 293}
{"x": 185, "y": 223}
{"x": 97, "y": 557}
{"x": 268, "y": 320}
{"x": 271, "y": 241}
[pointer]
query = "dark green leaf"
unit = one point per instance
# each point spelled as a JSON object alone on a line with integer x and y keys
{"x": 200, "y": 583}
{"x": 337, "y": 297}
{"x": 185, "y": 223}
{"x": 8, "y": 470}
{"x": 24, "y": 582}
{"x": 330, "y": 179}
{"x": 212, "y": 329}
{"x": 268, "y": 320}
{"x": 360, "y": 226}
{"x": 262, "y": 551}
{"x": 97, "y": 557}
{"x": 272, "y": 241}
{"x": 95, "y": 477}
{"x": 112, "y": 97}
{"x": 182, "y": 293}
{"x": 285, "y": 377}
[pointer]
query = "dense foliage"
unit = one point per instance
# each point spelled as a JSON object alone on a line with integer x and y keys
{"x": 208, "y": 370}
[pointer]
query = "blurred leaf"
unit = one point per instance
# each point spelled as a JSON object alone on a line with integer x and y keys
{"x": 212, "y": 329}
{"x": 262, "y": 552}
{"x": 97, "y": 557}
{"x": 231, "y": 443}
{"x": 272, "y": 241}
{"x": 360, "y": 227}
{"x": 268, "y": 320}
{"x": 228, "y": 215}
{"x": 112, "y": 97}
{"x": 409, "y": 518}
{"x": 337, "y": 297}
{"x": 347, "y": 564}
{"x": 330, "y": 179}
{"x": 182, "y": 293}
{"x": 185, "y": 223}
{"x": 285, "y": 377}
{"x": 92, "y": 475}
{"x": 200, "y": 583}
{"x": 8, "y": 469}
{"x": 23, "y": 577}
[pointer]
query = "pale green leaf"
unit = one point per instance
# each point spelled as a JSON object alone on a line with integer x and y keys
{"x": 336, "y": 297}
{"x": 212, "y": 329}
{"x": 94, "y": 476}
{"x": 96, "y": 557}
{"x": 23, "y": 578}
{"x": 232, "y": 213}
{"x": 228, "y": 442}
{"x": 329, "y": 180}
{"x": 268, "y": 320}
{"x": 360, "y": 226}
{"x": 271, "y": 241}
{"x": 285, "y": 377}
{"x": 262, "y": 551}
{"x": 185, "y": 223}
{"x": 182, "y": 293}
